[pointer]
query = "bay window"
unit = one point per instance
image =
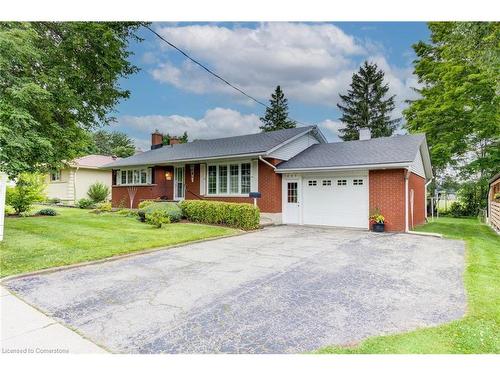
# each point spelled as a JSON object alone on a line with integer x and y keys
{"x": 229, "y": 179}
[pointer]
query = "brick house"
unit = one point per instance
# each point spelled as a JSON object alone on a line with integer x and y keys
{"x": 301, "y": 178}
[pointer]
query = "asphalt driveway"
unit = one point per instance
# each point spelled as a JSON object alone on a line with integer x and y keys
{"x": 283, "y": 289}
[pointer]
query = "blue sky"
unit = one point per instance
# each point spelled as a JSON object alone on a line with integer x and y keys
{"x": 312, "y": 62}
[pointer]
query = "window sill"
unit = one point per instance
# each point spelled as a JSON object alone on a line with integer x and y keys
{"x": 135, "y": 185}
{"x": 226, "y": 195}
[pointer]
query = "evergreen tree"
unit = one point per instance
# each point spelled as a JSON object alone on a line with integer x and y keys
{"x": 365, "y": 105}
{"x": 276, "y": 116}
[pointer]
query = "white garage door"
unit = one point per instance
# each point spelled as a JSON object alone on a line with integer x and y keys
{"x": 336, "y": 201}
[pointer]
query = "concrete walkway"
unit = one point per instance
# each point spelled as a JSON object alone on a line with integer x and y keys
{"x": 26, "y": 330}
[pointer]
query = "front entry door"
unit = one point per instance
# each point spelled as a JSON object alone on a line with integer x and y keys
{"x": 292, "y": 202}
{"x": 178, "y": 183}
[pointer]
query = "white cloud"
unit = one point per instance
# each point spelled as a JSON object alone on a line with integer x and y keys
{"x": 216, "y": 123}
{"x": 312, "y": 62}
{"x": 331, "y": 129}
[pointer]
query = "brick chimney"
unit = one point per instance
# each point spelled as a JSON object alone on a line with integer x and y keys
{"x": 174, "y": 141}
{"x": 364, "y": 134}
{"x": 156, "y": 139}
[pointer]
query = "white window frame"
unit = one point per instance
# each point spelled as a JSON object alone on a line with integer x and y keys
{"x": 228, "y": 176}
{"x": 131, "y": 174}
{"x": 57, "y": 175}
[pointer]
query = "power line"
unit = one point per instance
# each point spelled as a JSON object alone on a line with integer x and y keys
{"x": 213, "y": 73}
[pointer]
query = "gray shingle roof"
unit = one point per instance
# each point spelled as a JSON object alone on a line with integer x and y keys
{"x": 220, "y": 147}
{"x": 386, "y": 150}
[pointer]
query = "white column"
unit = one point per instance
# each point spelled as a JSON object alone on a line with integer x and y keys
{"x": 3, "y": 185}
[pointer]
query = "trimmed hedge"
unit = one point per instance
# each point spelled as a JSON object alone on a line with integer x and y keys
{"x": 239, "y": 215}
{"x": 169, "y": 209}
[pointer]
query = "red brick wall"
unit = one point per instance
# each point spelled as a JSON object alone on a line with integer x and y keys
{"x": 417, "y": 183}
{"x": 387, "y": 193}
{"x": 269, "y": 186}
{"x": 160, "y": 188}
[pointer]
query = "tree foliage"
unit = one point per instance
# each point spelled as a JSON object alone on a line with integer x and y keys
{"x": 459, "y": 73}
{"x": 276, "y": 116}
{"x": 112, "y": 143}
{"x": 58, "y": 80}
{"x": 365, "y": 105}
{"x": 184, "y": 138}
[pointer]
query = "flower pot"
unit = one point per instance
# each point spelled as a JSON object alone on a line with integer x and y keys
{"x": 378, "y": 227}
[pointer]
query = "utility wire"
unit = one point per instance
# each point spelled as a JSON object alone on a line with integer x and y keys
{"x": 213, "y": 73}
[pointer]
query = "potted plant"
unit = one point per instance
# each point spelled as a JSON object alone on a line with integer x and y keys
{"x": 378, "y": 222}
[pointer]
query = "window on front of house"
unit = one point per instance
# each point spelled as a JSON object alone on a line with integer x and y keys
{"x": 212, "y": 179}
{"x": 222, "y": 179}
{"x": 245, "y": 178}
{"x": 141, "y": 176}
{"x": 229, "y": 179}
{"x": 234, "y": 178}
{"x": 55, "y": 176}
{"x": 341, "y": 182}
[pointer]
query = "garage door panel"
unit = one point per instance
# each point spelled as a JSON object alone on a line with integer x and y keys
{"x": 342, "y": 202}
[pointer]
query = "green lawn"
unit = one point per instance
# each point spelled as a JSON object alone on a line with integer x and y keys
{"x": 479, "y": 330}
{"x": 35, "y": 243}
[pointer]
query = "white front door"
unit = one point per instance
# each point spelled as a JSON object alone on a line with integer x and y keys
{"x": 291, "y": 194}
{"x": 178, "y": 183}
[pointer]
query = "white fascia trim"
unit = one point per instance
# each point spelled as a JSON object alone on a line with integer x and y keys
{"x": 426, "y": 159}
{"x": 340, "y": 168}
{"x": 173, "y": 162}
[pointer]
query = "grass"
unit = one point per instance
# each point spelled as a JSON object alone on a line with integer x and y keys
{"x": 75, "y": 235}
{"x": 479, "y": 330}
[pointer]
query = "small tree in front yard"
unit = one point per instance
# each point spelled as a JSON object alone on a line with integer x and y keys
{"x": 28, "y": 190}
{"x": 98, "y": 192}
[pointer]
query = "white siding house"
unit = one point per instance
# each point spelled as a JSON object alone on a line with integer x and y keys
{"x": 71, "y": 184}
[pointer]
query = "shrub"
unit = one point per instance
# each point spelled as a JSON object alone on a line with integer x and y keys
{"x": 104, "y": 207}
{"x": 172, "y": 210}
{"x": 47, "y": 212}
{"x": 144, "y": 204}
{"x": 239, "y": 215}
{"x": 28, "y": 190}
{"x": 98, "y": 192}
{"x": 157, "y": 218}
{"x": 496, "y": 197}
{"x": 9, "y": 210}
{"x": 458, "y": 209}
{"x": 53, "y": 200}
{"x": 85, "y": 203}
{"x": 26, "y": 213}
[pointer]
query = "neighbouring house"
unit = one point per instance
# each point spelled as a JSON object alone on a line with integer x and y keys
{"x": 72, "y": 183}
{"x": 494, "y": 202}
{"x": 301, "y": 178}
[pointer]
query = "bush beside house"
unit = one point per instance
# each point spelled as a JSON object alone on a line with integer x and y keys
{"x": 239, "y": 215}
{"x": 28, "y": 190}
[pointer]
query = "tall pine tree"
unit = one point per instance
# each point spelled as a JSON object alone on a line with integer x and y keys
{"x": 365, "y": 105}
{"x": 276, "y": 116}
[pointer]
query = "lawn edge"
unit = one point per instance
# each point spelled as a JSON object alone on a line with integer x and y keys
{"x": 118, "y": 257}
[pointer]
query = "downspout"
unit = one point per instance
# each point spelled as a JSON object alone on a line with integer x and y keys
{"x": 266, "y": 162}
{"x": 407, "y": 177}
{"x": 427, "y": 184}
{"x": 74, "y": 184}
